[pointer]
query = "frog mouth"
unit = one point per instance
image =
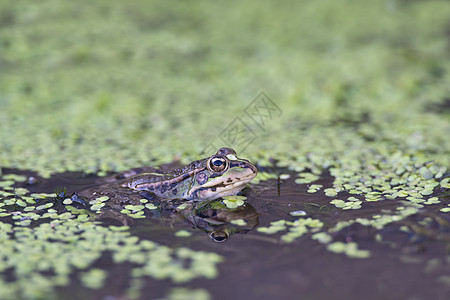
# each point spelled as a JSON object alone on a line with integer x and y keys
{"x": 220, "y": 187}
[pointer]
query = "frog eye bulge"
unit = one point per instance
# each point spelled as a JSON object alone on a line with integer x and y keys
{"x": 217, "y": 164}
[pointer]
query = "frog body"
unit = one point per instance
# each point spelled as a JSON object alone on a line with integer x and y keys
{"x": 222, "y": 174}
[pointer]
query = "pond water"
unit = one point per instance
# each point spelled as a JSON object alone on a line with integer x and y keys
{"x": 407, "y": 258}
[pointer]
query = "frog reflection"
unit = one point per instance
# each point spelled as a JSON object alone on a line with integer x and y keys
{"x": 213, "y": 217}
{"x": 219, "y": 221}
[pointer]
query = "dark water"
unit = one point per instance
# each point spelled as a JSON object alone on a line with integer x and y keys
{"x": 259, "y": 266}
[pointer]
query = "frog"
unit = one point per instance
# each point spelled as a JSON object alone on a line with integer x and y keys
{"x": 222, "y": 174}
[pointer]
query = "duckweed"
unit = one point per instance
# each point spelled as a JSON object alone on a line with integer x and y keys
{"x": 234, "y": 201}
{"x": 314, "y": 188}
{"x": 183, "y": 233}
{"x": 349, "y": 249}
{"x": 263, "y": 176}
{"x": 306, "y": 178}
{"x": 151, "y": 206}
{"x": 380, "y": 132}
{"x": 185, "y": 293}
{"x": 238, "y": 222}
{"x": 351, "y": 203}
{"x": 295, "y": 229}
{"x": 74, "y": 241}
{"x": 94, "y": 278}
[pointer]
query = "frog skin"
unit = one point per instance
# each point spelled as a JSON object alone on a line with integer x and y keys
{"x": 222, "y": 174}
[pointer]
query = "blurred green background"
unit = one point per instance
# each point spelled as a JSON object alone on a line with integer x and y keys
{"x": 102, "y": 86}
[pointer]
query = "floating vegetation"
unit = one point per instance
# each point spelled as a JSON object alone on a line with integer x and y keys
{"x": 74, "y": 240}
{"x": 73, "y": 244}
{"x": 314, "y": 188}
{"x": 351, "y": 203}
{"x": 234, "y": 201}
{"x": 135, "y": 211}
{"x": 295, "y": 229}
{"x": 262, "y": 176}
{"x": 306, "y": 178}
{"x": 369, "y": 145}
{"x": 349, "y": 249}
{"x": 183, "y": 233}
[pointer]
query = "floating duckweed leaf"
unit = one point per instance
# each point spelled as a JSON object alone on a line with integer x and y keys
{"x": 136, "y": 284}
{"x": 338, "y": 203}
{"x": 102, "y": 198}
{"x": 15, "y": 177}
{"x": 151, "y": 206}
{"x": 284, "y": 176}
{"x": 444, "y": 279}
{"x": 353, "y": 203}
{"x": 67, "y": 201}
{"x": 138, "y": 215}
{"x": 238, "y": 222}
{"x": 23, "y": 223}
{"x": 183, "y": 233}
{"x": 426, "y": 192}
{"x": 134, "y": 207}
{"x": 426, "y": 173}
{"x": 44, "y": 206}
{"x": 93, "y": 278}
{"x": 99, "y": 200}
{"x": 43, "y": 195}
{"x": 432, "y": 200}
{"x": 295, "y": 229}
{"x": 29, "y": 208}
{"x": 10, "y": 201}
{"x": 349, "y": 249}
{"x": 306, "y": 178}
{"x": 20, "y": 191}
{"x": 445, "y": 183}
{"x": 330, "y": 192}
{"x": 185, "y": 294}
{"x": 314, "y": 188}
{"x": 271, "y": 229}
{"x": 97, "y": 206}
{"x": 82, "y": 218}
{"x": 29, "y": 200}
{"x": 234, "y": 201}
{"x": 21, "y": 203}
{"x": 262, "y": 176}
{"x": 143, "y": 200}
{"x": 6, "y": 183}
{"x": 322, "y": 237}
{"x": 119, "y": 228}
{"x": 6, "y": 194}
{"x": 180, "y": 207}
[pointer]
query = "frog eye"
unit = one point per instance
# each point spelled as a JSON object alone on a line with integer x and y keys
{"x": 217, "y": 164}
